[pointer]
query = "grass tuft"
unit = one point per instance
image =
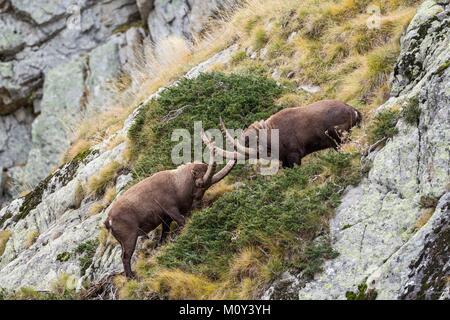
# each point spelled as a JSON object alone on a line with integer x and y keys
{"x": 384, "y": 125}
{"x": 4, "y": 237}
{"x": 31, "y": 238}
{"x": 260, "y": 39}
{"x": 98, "y": 183}
{"x": 411, "y": 113}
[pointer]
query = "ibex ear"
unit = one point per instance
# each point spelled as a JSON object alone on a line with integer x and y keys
{"x": 196, "y": 174}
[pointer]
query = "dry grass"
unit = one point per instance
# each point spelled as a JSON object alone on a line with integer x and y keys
{"x": 4, "y": 237}
{"x": 107, "y": 199}
{"x": 247, "y": 264}
{"x": 79, "y": 196}
{"x": 78, "y": 147}
{"x": 424, "y": 217}
{"x": 98, "y": 183}
{"x": 176, "y": 284}
{"x": 163, "y": 63}
{"x": 31, "y": 238}
{"x": 217, "y": 191}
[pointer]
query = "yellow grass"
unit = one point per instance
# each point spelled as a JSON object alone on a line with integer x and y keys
{"x": 424, "y": 217}
{"x": 79, "y": 146}
{"x": 4, "y": 237}
{"x": 31, "y": 238}
{"x": 106, "y": 175}
{"x": 176, "y": 284}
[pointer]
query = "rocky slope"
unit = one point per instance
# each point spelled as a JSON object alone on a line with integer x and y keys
{"x": 380, "y": 230}
{"x": 58, "y": 215}
{"x": 53, "y": 52}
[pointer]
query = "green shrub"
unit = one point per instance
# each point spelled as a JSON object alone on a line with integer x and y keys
{"x": 411, "y": 113}
{"x": 383, "y": 126}
{"x": 63, "y": 256}
{"x": 238, "y": 57}
{"x": 260, "y": 39}
{"x": 86, "y": 252}
{"x": 269, "y": 213}
{"x": 363, "y": 293}
{"x": 238, "y": 99}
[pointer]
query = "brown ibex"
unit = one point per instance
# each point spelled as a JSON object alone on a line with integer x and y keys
{"x": 302, "y": 130}
{"x": 162, "y": 198}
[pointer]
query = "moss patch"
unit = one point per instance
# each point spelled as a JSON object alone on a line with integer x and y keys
{"x": 411, "y": 113}
{"x": 60, "y": 178}
{"x": 363, "y": 293}
{"x": 383, "y": 126}
{"x": 86, "y": 252}
{"x": 63, "y": 257}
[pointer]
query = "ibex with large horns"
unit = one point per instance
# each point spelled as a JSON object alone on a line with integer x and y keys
{"x": 162, "y": 198}
{"x": 302, "y": 130}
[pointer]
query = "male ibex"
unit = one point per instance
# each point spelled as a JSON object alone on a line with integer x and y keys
{"x": 302, "y": 130}
{"x": 165, "y": 196}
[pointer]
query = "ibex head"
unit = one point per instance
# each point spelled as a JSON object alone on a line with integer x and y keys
{"x": 205, "y": 175}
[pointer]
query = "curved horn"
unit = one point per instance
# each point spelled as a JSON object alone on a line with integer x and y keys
{"x": 222, "y": 173}
{"x": 226, "y": 154}
{"x": 249, "y": 152}
{"x": 206, "y": 180}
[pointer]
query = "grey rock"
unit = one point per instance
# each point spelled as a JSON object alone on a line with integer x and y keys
{"x": 183, "y": 18}
{"x": 145, "y": 7}
{"x": 310, "y": 88}
{"x": 425, "y": 43}
{"x": 39, "y": 35}
{"x": 72, "y": 91}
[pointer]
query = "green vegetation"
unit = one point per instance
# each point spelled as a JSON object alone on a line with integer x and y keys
{"x": 284, "y": 205}
{"x": 124, "y": 27}
{"x": 86, "y": 252}
{"x": 238, "y": 57}
{"x": 363, "y": 293}
{"x": 383, "y": 126}
{"x": 443, "y": 67}
{"x": 4, "y": 237}
{"x": 3, "y": 294}
{"x": 260, "y": 39}
{"x": 62, "y": 288}
{"x": 411, "y": 113}
{"x": 63, "y": 257}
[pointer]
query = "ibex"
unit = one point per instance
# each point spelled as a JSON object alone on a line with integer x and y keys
{"x": 302, "y": 130}
{"x": 162, "y": 198}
